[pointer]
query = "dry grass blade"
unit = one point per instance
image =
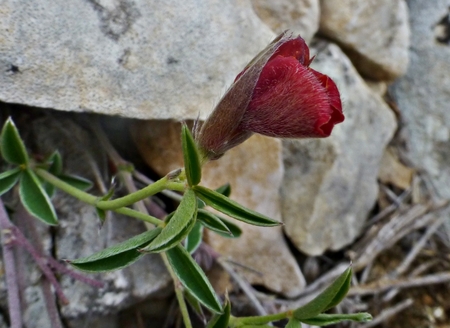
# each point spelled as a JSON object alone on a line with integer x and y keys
{"x": 388, "y": 313}
{"x": 245, "y": 286}
{"x": 386, "y": 284}
{"x": 403, "y": 267}
{"x": 383, "y": 237}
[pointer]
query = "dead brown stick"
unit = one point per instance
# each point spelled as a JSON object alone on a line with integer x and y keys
{"x": 403, "y": 267}
{"x": 244, "y": 285}
{"x": 388, "y": 313}
{"x": 386, "y": 236}
{"x": 417, "y": 217}
{"x": 390, "y": 209}
{"x": 386, "y": 284}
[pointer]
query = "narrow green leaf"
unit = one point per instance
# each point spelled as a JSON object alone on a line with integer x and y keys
{"x": 293, "y": 323}
{"x": 194, "y": 303}
{"x": 322, "y": 302}
{"x": 192, "y": 165}
{"x": 55, "y": 162}
{"x": 12, "y": 147}
{"x": 194, "y": 238}
{"x": 49, "y": 188}
{"x": 80, "y": 183}
{"x": 236, "y": 232}
{"x": 200, "y": 203}
{"x": 117, "y": 256}
{"x": 101, "y": 215}
{"x": 227, "y": 206}
{"x": 212, "y": 222}
{"x": 8, "y": 179}
{"x": 35, "y": 199}
{"x": 340, "y": 295}
{"x": 224, "y": 190}
{"x": 174, "y": 241}
{"x": 221, "y": 320}
{"x": 179, "y": 225}
{"x": 331, "y": 319}
{"x": 193, "y": 278}
{"x": 110, "y": 192}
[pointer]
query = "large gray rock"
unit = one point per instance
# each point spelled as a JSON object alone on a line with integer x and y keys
{"x": 373, "y": 33}
{"x": 422, "y": 95}
{"x": 299, "y": 16}
{"x": 330, "y": 185}
{"x": 135, "y": 58}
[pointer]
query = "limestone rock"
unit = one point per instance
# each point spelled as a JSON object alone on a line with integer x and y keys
{"x": 394, "y": 172}
{"x": 422, "y": 95}
{"x": 374, "y": 34}
{"x": 135, "y": 58}
{"x": 330, "y": 185}
{"x": 254, "y": 170}
{"x": 301, "y": 17}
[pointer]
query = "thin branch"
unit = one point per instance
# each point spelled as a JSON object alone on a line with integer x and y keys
{"x": 14, "y": 308}
{"x": 423, "y": 267}
{"x": 388, "y": 313}
{"x": 418, "y": 247}
{"x": 142, "y": 178}
{"x": 390, "y": 209}
{"x": 386, "y": 284}
{"x": 325, "y": 279}
{"x": 178, "y": 292}
{"x": 116, "y": 159}
{"x": 416, "y": 217}
{"x": 20, "y": 240}
{"x": 27, "y": 223}
{"x": 62, "y": 268}
{"x": 245, "y": 286}
{"x": 50, "y": 304}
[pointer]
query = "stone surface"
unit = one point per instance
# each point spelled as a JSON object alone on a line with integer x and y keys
{"x": 135, "y": 58}
{"x": 254, "y": 170}
{"x": 299, "y": 16}
{"x": 422, "y": 95}
{"x": 78, "y": 232}
{"x": 393, "y": 171}
{"x": 330, "y": 185}
{"x": 373, "y": 33}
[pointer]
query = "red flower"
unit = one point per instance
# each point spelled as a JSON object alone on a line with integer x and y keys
{"x": 277, "y": 95}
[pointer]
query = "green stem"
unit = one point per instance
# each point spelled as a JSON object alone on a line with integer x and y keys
{"x": 71, "y": 190}
{"x": 258, "y": 320}
{"x": 91, "y": 199}
{"x": 154, "y": 188}
{"x": 178, "y": 292}
{"x": 141, "y": 216}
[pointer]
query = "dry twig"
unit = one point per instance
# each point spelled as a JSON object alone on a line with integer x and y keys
{"x": 386, "y": 284}
{"x": 388, "y": 313}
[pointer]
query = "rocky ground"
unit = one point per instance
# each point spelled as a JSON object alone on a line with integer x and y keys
{"x": 375, "y": 193}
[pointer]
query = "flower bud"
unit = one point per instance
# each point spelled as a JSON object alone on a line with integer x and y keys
{"x": 277, "y": 95}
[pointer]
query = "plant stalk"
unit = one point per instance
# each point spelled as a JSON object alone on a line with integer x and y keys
{"x": 178, "y": 293}
{"x": 14, "y": 308}
{"x": 258, "y": 320}
{"x": 93, "y": 200}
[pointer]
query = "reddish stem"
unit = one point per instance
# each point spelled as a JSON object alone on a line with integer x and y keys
{"x": 14, "y": 308}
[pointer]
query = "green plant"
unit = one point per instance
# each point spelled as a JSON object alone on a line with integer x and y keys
{"x": 37, "y": 181}
{"x": 278, "y": 95}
